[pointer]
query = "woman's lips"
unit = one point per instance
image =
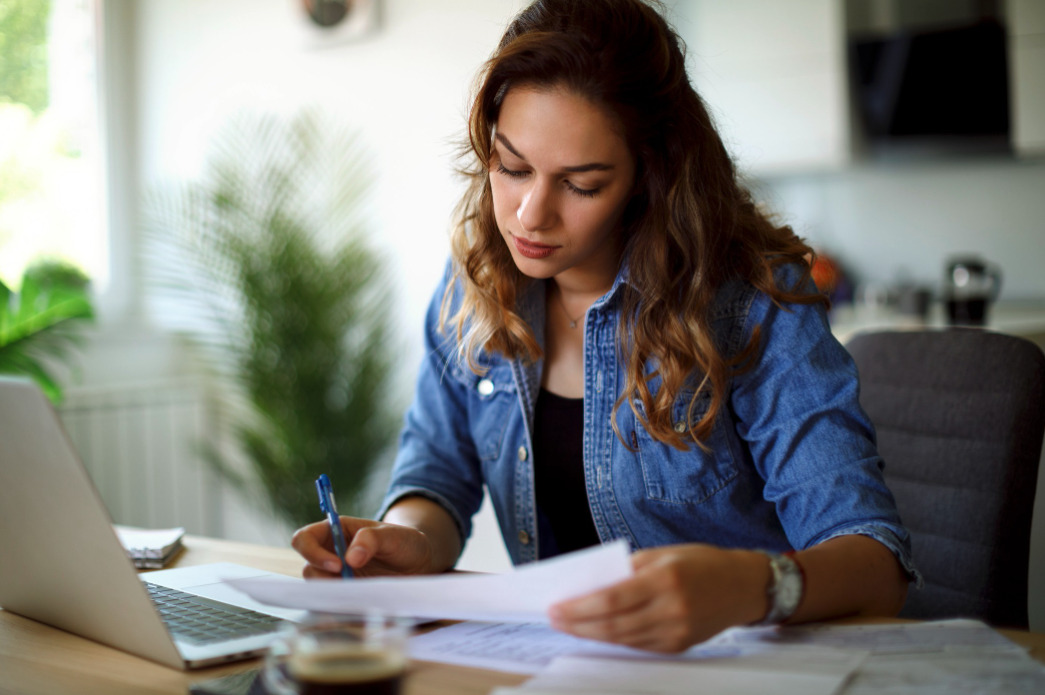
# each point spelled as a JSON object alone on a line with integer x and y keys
{"x": 532, "y": 249}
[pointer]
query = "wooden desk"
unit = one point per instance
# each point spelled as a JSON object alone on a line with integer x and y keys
{"x": 38, "y": 659}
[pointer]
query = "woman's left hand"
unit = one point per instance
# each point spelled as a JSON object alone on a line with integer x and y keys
{"x": 680, "y": 595}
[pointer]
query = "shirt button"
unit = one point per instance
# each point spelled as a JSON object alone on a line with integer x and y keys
{"x": 522, "y": 453}
{"x": 485, "y": 387}
{"x": 680, "y": 426}
{"x": 524, "y": 538}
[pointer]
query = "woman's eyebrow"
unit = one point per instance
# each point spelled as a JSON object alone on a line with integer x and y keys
{"x": 579, "y": 168}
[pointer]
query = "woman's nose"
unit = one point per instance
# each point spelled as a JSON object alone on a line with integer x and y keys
{"x": 536, "y": 209}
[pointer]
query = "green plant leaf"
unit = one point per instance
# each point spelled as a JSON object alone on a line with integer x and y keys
{"x": 26, "y": 366}
{"x": 43, "y": 322}
{"x": 263, "y": 263}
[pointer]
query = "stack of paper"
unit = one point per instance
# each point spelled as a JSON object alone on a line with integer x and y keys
{"x": 945, "y": 657}
{"x": 934, "y": 658}
{"x": 150, "y": 548}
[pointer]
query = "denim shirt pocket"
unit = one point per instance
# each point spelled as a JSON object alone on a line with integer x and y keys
{"x": 491, "y": 399}
{"x": 686, "y": 477}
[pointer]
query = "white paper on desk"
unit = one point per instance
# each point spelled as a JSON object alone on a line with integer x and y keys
{"x": 512, "y": 647}
{"x": 523, "y": 595}
{"x": 530, "y": 647}
{"x": 955, "y": 671}
{"x": 890, "y": 638}
{"x": 570, "y": 674}
{"x": 945, "y": 657}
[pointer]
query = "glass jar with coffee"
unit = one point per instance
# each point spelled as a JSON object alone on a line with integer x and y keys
{"x": 339, "y": 655}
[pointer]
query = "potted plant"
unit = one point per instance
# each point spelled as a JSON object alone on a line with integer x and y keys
{"x": 263, "y": 263}
{"x": 43, "y": 322}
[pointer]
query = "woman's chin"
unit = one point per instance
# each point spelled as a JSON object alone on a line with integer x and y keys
{"x": 535, "y": 268}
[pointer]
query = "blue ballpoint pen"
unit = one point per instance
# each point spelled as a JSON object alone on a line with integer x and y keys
{"x": 327, "y": 505}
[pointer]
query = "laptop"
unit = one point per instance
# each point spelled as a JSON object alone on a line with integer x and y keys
{"x": 64, "y": 565}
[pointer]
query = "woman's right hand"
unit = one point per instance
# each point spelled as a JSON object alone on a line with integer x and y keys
{"x": 374, "y": 548}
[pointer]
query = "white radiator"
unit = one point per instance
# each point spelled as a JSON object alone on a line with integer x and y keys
{"x": 139, "y": 443}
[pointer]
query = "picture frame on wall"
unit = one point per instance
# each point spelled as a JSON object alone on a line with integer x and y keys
{"x": 334, "y": 22}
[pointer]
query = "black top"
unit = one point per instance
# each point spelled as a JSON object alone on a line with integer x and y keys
{"x": 558, "y": 467}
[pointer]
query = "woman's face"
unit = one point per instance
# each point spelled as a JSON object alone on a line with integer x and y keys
{"x": 561, "y": 174}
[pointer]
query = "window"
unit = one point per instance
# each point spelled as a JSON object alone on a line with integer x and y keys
{"x": 51, "y": 188}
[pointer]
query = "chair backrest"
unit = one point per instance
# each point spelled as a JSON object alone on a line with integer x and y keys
{"x": 959, "y": 415}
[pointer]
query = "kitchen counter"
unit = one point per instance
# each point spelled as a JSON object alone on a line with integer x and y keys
{"x": 1024, "y": 318}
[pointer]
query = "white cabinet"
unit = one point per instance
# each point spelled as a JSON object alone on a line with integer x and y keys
{"x": 774, "y": 75}
{"x": 1026, "y": 23}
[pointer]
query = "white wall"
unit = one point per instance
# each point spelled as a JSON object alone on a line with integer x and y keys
{"x": 404, "y": 88}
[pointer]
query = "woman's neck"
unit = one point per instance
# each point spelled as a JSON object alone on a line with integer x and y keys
{"x": 578, "y": 290}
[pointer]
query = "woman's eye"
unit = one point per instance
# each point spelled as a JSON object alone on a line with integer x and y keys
{"x": 514, "y": 173}
{"x": 572, "y": 188}
{"x": 586, "y": 192}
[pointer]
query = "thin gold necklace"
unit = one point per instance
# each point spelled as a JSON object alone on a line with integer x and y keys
{"x": 573, "y": 321}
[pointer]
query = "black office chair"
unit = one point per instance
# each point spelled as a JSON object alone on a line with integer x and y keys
{"x": 960, "y": 415}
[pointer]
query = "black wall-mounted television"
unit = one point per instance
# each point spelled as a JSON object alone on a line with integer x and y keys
{"x": 944, "y": 88}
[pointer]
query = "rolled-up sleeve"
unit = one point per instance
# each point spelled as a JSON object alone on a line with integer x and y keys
{"x": 798, "y": 410}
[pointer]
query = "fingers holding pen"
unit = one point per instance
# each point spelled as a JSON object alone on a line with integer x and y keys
{"x": 374, "y": 548}
{"x": 364, "y": 544}
{"x": 383, "y": 548}
{"x": 315, "y": 543}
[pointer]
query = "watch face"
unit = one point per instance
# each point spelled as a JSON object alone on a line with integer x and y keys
{"x": 790, "y": 592}
{"x": 789, "y": 587}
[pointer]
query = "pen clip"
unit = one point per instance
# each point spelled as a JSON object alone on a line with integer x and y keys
{"x": 326, "y": 494}
{"x": 324, "y": 498}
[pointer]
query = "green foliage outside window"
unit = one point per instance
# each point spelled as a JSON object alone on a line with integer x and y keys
{"x": 23, "y": 86}
{"x": 48, "y": 189}
{"x": 23, "y": 52}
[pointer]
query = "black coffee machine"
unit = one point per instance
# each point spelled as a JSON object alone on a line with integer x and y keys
{"x": 970, "y": 284}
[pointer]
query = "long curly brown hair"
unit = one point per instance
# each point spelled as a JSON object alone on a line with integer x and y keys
{"x": 690, "y": 227}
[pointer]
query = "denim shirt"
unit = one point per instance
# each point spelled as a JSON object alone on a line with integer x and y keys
{"x": 791, "y": 461}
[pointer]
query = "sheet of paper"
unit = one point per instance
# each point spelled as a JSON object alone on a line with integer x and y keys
{"x": 513, "y": 647}
{"x": 523, "y": 595}
{"x": 570, "y": 674}
{"x": 530, "y": 647}
{"x": 894, "y": 638}
{"x": 955, "y": 657}
{"x": 947, "y": 657}
{"x": 953, "y": 671}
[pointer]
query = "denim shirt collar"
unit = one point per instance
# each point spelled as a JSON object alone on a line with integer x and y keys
{"x": 530, "y": 304}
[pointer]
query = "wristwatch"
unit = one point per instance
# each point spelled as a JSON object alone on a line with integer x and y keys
{"x": 785, "y": 588}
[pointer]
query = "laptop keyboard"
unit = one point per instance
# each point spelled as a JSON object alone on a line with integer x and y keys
{"x": 203, "y": 621}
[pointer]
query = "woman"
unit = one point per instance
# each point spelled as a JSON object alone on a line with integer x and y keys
{"x": 624, "y": 346}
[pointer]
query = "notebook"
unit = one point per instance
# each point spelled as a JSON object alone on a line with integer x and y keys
{"x": 64, "y": 565}
{"x": 150, "y": 548}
